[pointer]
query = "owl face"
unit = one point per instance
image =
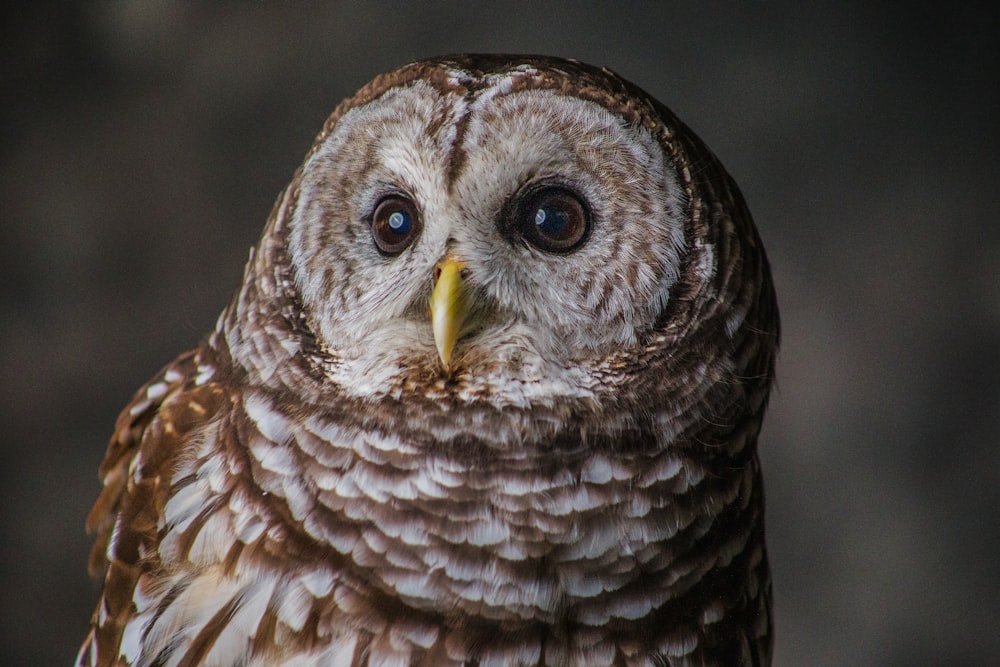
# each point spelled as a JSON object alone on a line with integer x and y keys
{"x": 546, "y": 229}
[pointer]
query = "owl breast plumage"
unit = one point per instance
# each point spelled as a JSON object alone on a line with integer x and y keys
{"x": 489, "y": 394}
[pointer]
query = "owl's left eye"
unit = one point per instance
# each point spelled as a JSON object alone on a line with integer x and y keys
{"x": 395, "y": 224}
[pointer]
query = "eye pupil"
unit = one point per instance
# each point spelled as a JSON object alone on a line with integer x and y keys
{"x": 553, "y": 219}
{"x": 395, "y": 224}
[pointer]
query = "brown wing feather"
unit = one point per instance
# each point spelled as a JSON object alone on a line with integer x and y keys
{"x": 149, "y": 435}
{"x": 129, "y": 429}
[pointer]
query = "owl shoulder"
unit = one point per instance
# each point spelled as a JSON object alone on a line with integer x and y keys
{"x": 152, "y": 431}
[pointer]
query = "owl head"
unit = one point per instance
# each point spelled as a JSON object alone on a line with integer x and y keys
{"x": 504, "y": 228}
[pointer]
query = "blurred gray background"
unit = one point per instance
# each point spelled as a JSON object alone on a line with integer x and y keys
{"x": 143, "y": 144}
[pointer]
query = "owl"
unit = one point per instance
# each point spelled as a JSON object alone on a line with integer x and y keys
{"x": 488, "y": 395}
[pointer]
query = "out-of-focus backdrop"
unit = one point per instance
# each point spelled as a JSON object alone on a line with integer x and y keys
{"x": 142, "y": 145}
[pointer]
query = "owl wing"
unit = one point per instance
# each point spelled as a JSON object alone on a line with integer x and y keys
{"x": 149, "y": 435}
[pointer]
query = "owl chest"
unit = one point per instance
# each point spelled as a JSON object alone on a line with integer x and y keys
{"x": 348, "y": 550}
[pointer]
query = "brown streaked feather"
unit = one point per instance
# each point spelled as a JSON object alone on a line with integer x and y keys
{"x": 128, "y": 435}
{"x": 150, "y": 433}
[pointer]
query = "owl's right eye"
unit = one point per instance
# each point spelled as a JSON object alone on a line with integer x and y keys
{"x": 552, "y": 218}
{"x": 395, "y": 224}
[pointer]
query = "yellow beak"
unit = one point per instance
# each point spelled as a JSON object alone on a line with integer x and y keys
{"x": 449, "y": 306}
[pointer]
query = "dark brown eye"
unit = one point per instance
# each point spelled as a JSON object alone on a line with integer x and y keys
{"x": 395, "y": 224}
{"x": 553, "y": 219}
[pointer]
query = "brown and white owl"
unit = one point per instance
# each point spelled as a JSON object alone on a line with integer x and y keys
{"x": 489, "y": 394}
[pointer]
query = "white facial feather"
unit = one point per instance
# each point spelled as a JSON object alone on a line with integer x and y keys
{"x": 549, "y": 320}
